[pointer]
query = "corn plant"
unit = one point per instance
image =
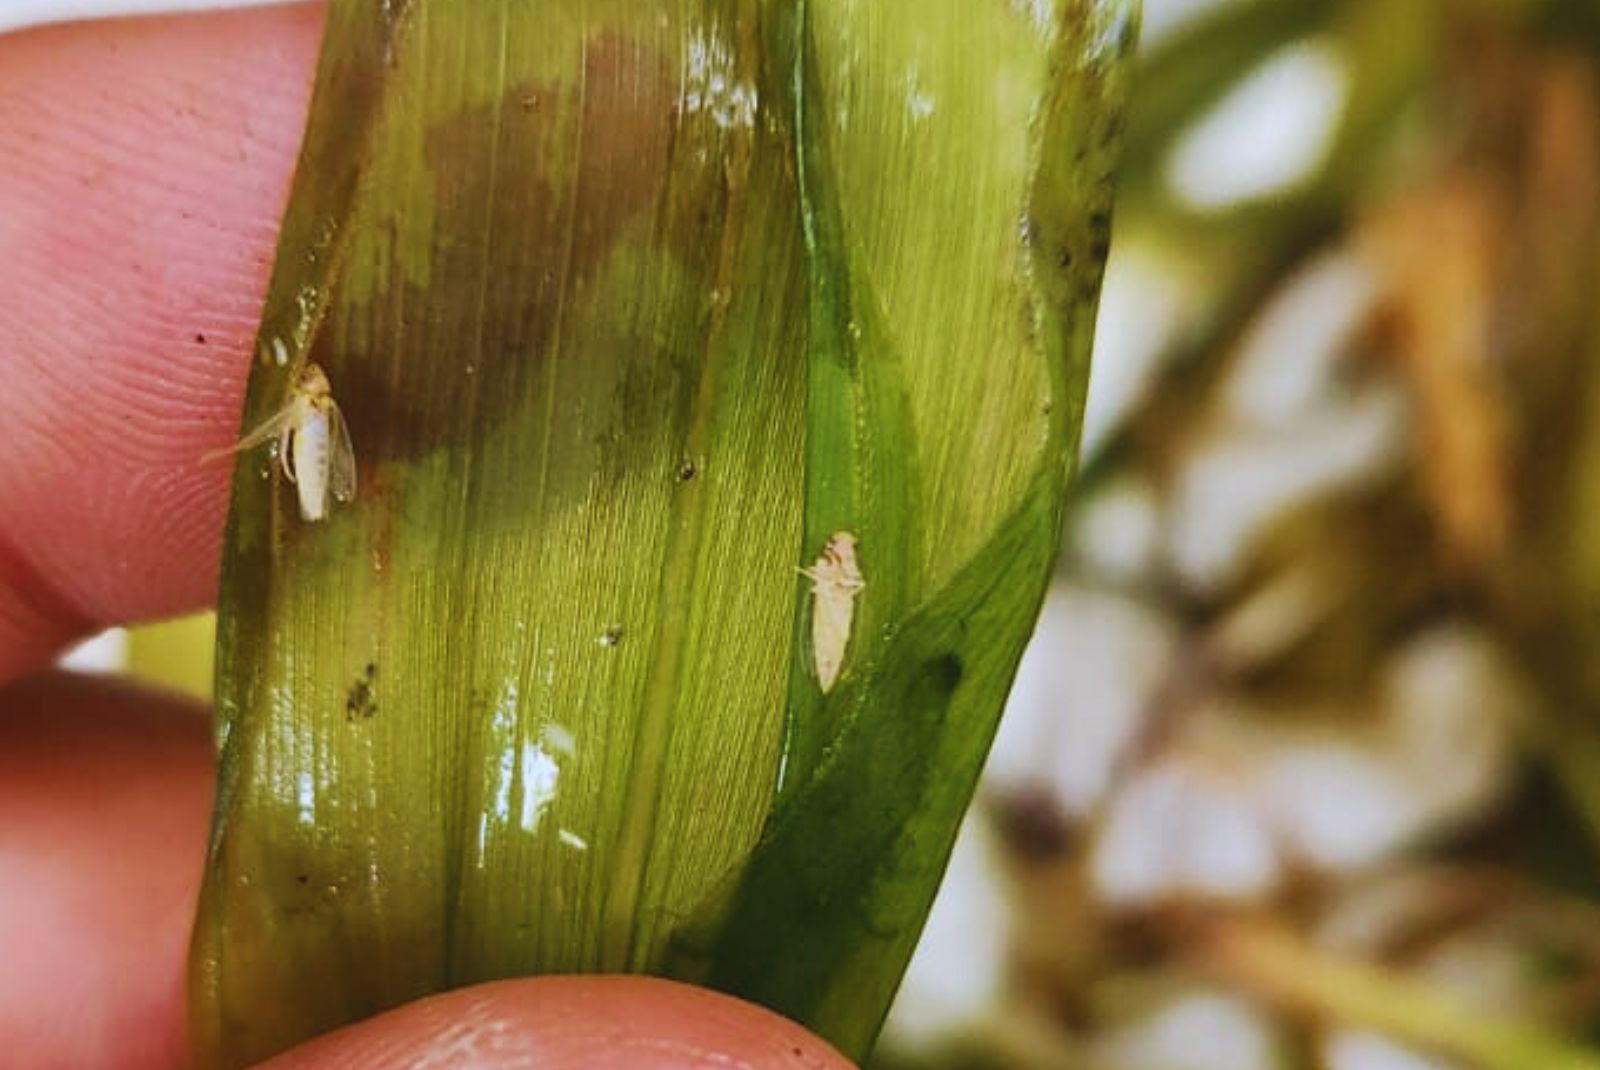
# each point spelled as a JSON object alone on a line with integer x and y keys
{"x": 712, "y": 376}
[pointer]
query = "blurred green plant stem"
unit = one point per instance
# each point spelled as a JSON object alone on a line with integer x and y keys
{"x": 1266, "y": 959}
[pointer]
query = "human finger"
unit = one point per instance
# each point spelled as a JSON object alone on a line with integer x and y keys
{"x": 144, "y": 165}
{"x": 571, "y": 1023}
{"x": 105, "y": 790}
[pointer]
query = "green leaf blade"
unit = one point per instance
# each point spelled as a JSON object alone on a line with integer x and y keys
{"x": 626, "y": 325}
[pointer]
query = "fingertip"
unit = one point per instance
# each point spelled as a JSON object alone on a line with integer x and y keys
{"x": 146, "y": 165}
{"x": 105, "y": 790}
{"x": 571, "y": 1023}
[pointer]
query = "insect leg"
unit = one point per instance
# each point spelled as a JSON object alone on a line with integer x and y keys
{"x": 285, "y": 454}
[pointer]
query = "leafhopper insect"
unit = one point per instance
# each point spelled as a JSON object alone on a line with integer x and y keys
{"x": 313, "y": 444}
{"x": 836, "y": 580}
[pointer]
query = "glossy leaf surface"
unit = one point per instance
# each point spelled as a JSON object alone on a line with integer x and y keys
{"x": 630, "y": 309}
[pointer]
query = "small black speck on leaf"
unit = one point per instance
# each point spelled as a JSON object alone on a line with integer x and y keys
{"x": 359, "y": 701}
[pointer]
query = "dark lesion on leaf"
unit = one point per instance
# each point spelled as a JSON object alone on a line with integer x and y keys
{"x": 516, "y": 233}
{"x": 944, "y": 673}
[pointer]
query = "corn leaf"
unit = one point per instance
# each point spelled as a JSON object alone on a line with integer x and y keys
{"x": 631, "y": 311}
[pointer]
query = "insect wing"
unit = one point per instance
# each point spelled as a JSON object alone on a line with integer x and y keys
{"x": 309, "y": 446}
{"x": 832, "y": 609}
{"x": 835, "y": 582}
{"x": 341, "y": 455}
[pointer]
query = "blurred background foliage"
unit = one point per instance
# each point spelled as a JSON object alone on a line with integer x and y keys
{"x": 1303, "y": 766}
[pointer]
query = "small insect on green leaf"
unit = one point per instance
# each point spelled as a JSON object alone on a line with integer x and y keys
{"x": 836, "y": 580}
{"x": 313, "y": 444}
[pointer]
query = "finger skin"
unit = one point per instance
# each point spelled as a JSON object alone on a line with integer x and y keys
{"x": 571, "y": 1023}
{"x": 144, "y": 165}
{"x": 104, "y": 794}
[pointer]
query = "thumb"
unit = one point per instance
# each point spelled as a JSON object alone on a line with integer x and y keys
{"x": 570, "y": 1023}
